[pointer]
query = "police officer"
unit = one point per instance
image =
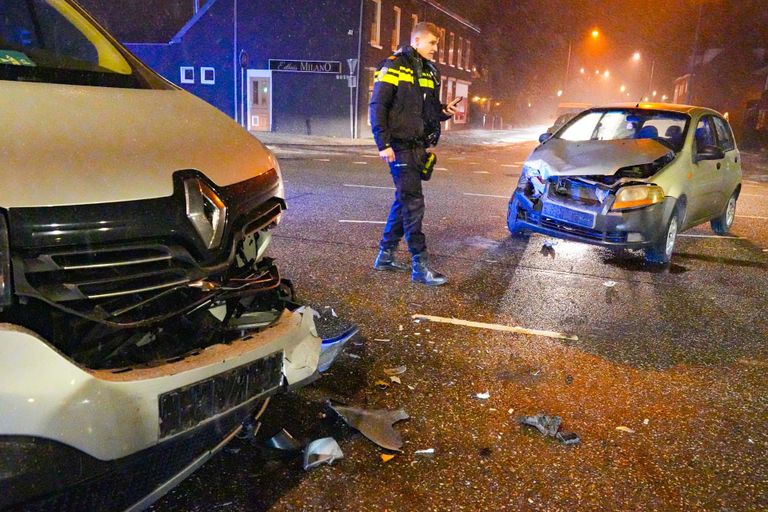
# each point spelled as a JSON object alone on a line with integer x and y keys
{"x": 405, "y": 114}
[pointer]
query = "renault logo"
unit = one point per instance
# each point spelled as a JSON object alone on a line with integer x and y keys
{"x": 206, "y": 211}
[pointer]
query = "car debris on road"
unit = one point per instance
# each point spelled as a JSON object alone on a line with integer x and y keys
{"x": 549, "y": 426}
{"x": 376, "y": 425}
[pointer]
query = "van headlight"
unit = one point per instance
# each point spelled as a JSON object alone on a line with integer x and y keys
{"x": 5, "y": 264}
{"x": 637, "y": 196}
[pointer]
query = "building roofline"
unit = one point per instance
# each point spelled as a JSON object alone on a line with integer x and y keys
{"x": 191, "y": 23}
{"x": 453, "y": 15}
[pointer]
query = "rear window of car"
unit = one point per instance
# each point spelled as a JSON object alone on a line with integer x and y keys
{"x": 724, "y": 134}
{"x": 669, "y": 128}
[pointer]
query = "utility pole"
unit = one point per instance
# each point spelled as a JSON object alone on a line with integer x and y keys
{"x": 692, "y": 71}
{"x": 567, "y": 67}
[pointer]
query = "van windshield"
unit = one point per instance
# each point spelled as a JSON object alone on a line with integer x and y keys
{"x": 669, "y": 128}
{"x": 52, "y": 41}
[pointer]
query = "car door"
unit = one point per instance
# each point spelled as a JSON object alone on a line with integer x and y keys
{"x": 707, "y": 175}
{"x": 730, "y": 174}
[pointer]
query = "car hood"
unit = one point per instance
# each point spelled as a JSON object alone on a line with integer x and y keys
{"x": 558, "y": 157}
{"x": 64, "y": 145}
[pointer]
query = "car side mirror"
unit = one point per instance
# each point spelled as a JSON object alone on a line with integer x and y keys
{"x": 710, "y": 153}
{"x": 544, "y": 137}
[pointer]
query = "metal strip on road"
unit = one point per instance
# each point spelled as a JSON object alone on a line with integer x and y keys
{"x": 496, "y": 327}
{"x": 713, "y": 236}
{"x": 368, "y": 186}
{"x": 485, "y": 195}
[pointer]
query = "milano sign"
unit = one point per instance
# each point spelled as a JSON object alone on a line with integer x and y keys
{"x": 306, "y": 66}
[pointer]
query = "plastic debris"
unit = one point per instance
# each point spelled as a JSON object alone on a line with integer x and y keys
{"x": 386, "y": 457}
{"x": 610, "y": 284}
{"x": 483, "y": 396}
{"x": 322, "y": 451}
{"x": 549, "y": 426}
{"x": 395, "y": 379}
{"x": 332, "y": 347}
{"x": 412, "y": 388}
{"x": 382, "y": 384}
{"x": 284, "y": 441}
{"x": 399, "y": 370}
{"x": 430, "y": 451}
{"x": 354, "y": 356}
{"x": 625, "y": 429}
{"x": 400, "y": 327}
{"x": 646, "y": 421}
{"x": 333, "y": 312}
{"x": 550, "y": 243}
{"x": 376, "y": 425}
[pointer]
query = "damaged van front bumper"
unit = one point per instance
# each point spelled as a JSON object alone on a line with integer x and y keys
{"x": 594, "y": 223}
{"x": 69, "y": 433}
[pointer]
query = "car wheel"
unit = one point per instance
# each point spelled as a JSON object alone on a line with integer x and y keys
{"x": 661, "y": 251}
{"x": 515, "y": 228}
{"x": 723, "y": 223}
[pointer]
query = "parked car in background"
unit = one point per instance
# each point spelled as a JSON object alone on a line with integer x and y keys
{"x": 566, "y": 112}
{"x": 140, "y": 321}
{"x": 632, "y": 176}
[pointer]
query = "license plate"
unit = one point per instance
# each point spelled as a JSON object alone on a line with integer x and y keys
{"x": 577, "y": 217}
{"x": 185, "y": 408}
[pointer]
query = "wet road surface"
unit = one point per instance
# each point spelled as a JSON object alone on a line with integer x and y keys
{"x": 677, "y": 355}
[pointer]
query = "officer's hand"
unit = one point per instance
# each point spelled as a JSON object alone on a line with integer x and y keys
{"x": 388, "y": 155}
{"x": 450, "y": 109}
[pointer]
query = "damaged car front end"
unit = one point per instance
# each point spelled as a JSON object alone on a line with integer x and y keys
{"x": 601, "y": 190}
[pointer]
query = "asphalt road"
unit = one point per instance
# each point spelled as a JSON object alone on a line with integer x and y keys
{"x": 675, "y": 355}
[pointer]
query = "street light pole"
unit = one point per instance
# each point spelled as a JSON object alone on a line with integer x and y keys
{"x": 693, "y": 57}
{"x": 567, "y": 67}
{"x": 650, "y": 83}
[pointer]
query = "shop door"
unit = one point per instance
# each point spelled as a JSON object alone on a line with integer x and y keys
{"x": 260, "y": 104}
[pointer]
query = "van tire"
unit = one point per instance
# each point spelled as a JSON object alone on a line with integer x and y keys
{"x": 722, "y": 224}
{"x": 661, "y": 251}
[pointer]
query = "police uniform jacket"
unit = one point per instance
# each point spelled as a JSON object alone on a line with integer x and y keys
{"x": 405, "y": 108}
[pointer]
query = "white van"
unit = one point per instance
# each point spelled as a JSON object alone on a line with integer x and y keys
{"x": 140, "y": 322}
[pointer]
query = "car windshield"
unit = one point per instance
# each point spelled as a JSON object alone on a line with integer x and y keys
{"x": 52, "y": 41}
{"x": 669, "y": 128}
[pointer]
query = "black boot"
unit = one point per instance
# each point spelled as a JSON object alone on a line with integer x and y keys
{"x": 423, "y": 274}
{"x": 386, "y": 261}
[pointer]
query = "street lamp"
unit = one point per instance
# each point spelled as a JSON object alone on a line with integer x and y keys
{"x": 623, "y": 88}
{"x": 595, "y": 34}
{"x": 559, "y": 93}
{"x": 636, "y": 56}
{"x": 607, "y": 73}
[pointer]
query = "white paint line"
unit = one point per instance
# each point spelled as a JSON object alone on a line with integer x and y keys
{"x": 322, "y": 159}
{"x": 441, "y": 169}
{"x": 714, "y": 236}
{"x": 751, "y": 217}
{"x": 485, "y": 195}
{"x": 518, "y": 163}
{"x": 510, "y": 165}
{"x": 360, "y": 163}
{"x": 474, "y": 163}
{"x": 363, "y": 221}
{"x": 480, "y": 172}
{"x": 368, "y": 186}
{"x": 496, "y": 327}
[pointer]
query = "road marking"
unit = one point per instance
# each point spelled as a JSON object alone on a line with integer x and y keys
{"x": 360, "y": 163}
{"x": 496, "y": 327}
{"x": 441, "y": 169}
{"x": 480, "y": 172}
{"x": 363, "y": 221}
{"x": 484, "y": 195}
{"x": 751, "y": 195}
{"x": 368, "y": 186}
{"x": 750, "y": 217}
{"x": 510, "y": 165}
{"x": 322, "y": 159}
{"x": 518, "y": 163}
{"x": 713, "y": 236}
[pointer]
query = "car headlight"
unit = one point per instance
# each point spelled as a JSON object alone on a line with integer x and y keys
{"x": 637, "y": 196}
{"x": 5, "y": 264}
{"x": 525, "y": 175}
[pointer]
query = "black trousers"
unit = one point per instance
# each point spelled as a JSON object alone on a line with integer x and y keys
{"x": 407, "y": 211}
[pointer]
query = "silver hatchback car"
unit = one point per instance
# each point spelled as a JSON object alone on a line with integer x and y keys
{"x": 631, "y": 175}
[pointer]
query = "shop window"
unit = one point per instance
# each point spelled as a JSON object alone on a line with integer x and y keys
{"x": 376, "y": 25}
{"x": 396, "y": 30}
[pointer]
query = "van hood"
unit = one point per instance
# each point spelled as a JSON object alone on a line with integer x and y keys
{"x": 558, "y": 157}
{"x": 65, "y": 145}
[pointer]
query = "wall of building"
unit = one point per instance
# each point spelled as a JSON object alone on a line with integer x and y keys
{"x": 322, "y": 30}
{"x": 457, "y": 76}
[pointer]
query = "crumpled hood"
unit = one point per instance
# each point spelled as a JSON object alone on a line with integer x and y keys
{"x": 558, "y": 157}
{"x": 64, "y": 144}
